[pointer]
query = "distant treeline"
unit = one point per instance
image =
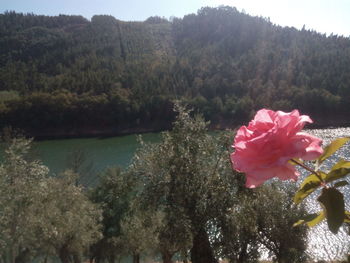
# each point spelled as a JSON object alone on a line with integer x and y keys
{"x": 66, "y": 71}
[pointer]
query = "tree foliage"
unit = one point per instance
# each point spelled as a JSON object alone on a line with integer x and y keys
{"x": 276, "y": 215}
{"x": 184, "y": 177}
{"x": 42, "y": 215}
{"x": 113, "y": 194}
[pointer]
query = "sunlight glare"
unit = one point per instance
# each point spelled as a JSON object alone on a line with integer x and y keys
{"x": 320, "y": 15}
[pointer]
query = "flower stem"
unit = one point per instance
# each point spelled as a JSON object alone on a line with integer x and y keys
{"x": 308, "y": 169}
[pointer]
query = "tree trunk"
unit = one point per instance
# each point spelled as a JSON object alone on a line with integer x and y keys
{"x": 167, "y": 256}
{"x": 111, "y": 258}
{"x": 185, "y": 257}
{"x": 136, "y": 258}
{"x": 279, "y": 258}
{"x": 64, "y": 255}
{"x": 77, "y": 258}
{"x": 201, "y": 251}
{"x": 242, "y": 256}
{"x": 23, "y": 256}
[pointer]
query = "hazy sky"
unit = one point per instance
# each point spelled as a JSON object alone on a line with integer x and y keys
{"x": 325, "y": 16}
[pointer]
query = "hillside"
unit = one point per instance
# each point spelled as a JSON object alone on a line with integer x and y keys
{"x": 67, "y": 75}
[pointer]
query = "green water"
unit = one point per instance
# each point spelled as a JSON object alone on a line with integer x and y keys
{"x": 99, "y": 153}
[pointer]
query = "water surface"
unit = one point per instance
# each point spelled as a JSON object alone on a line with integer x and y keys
{"x": 322, "y": 243}
{"x": 98, "y": 153}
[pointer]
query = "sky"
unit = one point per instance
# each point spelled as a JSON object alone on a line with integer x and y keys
{"x": 324, "y": 16}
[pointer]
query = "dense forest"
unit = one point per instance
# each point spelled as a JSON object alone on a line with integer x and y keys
{"x": 66, "y": 75}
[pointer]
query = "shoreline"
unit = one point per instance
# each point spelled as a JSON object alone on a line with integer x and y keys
{"x": 113, "y": 132}
{"x": 220, "y": 124}
{"x": 90, "y": 133}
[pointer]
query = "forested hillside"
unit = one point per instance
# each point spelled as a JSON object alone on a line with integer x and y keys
{"x": 67, "y": 75}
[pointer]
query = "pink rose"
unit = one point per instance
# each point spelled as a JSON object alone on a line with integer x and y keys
{"x": 264, "y": 148}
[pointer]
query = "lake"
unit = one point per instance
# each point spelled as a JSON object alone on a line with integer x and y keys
{"x": 98, "y": 153}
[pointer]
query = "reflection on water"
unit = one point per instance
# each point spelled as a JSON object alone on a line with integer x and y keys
{"x": 322, "y": 243}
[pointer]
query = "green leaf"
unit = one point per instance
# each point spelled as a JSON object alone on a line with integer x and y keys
{"x": 332, "y": 202}
{"x": 311, "y": 220}
{"x": 299, "y": 222}
{"x": 305, "y": 219}
{"x": 309, "y": 185}
{"x": 341, "y": 183}
{"x": 339, "y": 170}
{"x": 316, "y": 220}
{"x": 341, "y": 164}
{"x": 332, "y": 148}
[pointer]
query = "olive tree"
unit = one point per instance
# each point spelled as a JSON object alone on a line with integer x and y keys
{"x": 237, "y": 238}
{"x": 42, "y": 215}
{"x": 276, "y": 213}
{"x": 262, "y": 218}
{"x": 187, "y": 176}
{"x": 113, "y": 194}
{"x": 20, "y": 188}
{"x": 140, "y": 232}
{"x": 70, "y": 221}
{"x": 127, "y": 229}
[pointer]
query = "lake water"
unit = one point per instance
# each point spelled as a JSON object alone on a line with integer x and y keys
{"x": 101, "y": 153}
{"x": 98, "y": 153}
{"x": 322, "y": 243}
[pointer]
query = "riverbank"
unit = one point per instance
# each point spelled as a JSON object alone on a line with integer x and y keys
{"x": 91, "y": 133}
{"x": 105, "y": 132}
